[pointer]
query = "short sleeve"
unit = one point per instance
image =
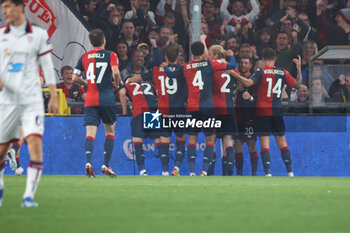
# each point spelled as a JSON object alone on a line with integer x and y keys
{"x": 114, "y": 59}
{"x": 45, "y": 46}
{"x": 289, "y": 78}
{"x": 218, "y": 65}
{"x": 257, "y": 76}
{"x": 79, "y": 67}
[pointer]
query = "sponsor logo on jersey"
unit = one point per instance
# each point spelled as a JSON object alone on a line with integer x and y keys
{"x": 152, "y": 120}
{"x": 15, "y": 67}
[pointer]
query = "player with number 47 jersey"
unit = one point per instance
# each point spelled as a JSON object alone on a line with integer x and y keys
{"x": 100, "y": 67}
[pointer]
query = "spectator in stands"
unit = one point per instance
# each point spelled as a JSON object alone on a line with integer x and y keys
{"x": 338, "y": 92}
{"x": 166, "y": 37}
{"x": 128, "y": 34}
{"x": 245, "y": 51}
{"x": 347, "y": 83}
{"x": 237, "y": 15}
{"x": 319, "y": 94}
{"x": 259, "y": 64}
{"x": 335, "y": 31}
{"x": 88, "y": 11}
{"x": 152, "y": 34}
{"x": 281, "y": 12}
{"x": 142, "y": 17}
{"x": 210, "y": 11}
{"x": 302, "y": 100}
{"x": 305, "y": 30}
{"x": 264, "y": 41}
{"x": 74, "y": 93}
{"x": 232, "y": 43}
{"x": 110, "y": 26}
{"x": 120, "y": 7}
{"x": 122, "y": 52}
{"x": 309, "y": 49}
{"x": 135, "y": 67}
{"x": 302, "y": 94}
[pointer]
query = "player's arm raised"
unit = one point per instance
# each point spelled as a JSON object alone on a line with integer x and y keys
{"x": 246, "y": 82}
{"x": 297, "y": 62}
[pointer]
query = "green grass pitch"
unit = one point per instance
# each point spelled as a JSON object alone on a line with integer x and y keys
{"x": 179, "y": 204}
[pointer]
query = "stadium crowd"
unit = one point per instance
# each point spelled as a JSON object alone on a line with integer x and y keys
{"x": 135, "y": 29}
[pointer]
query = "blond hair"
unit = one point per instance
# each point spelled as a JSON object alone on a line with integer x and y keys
{"x": 218, "y": 50}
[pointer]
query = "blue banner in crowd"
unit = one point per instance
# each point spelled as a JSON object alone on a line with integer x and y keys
{"x": 319, "y": 145}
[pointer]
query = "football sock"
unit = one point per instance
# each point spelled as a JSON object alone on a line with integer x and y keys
{"x": 180, "y": 153}
{"x": 285, "y": 153}
{"x": 230, "y": 160}
{"x": 212, "y": 165}
{"x": 2, "y": 170}
{"x": 239, "y": 163}
{"x": 18, "y": 164}
{"x": 224, "y": 166}
{"x": 15, "y": 146}
{"x": 208, "y": 156}
{"x": 140, "y": 155}
{"x": 109, "y": 145}
{"x": 89, "y": 148}
{"x": 164, "y": 156}
{"x": 265, "y": 156}
{"x": 254, "y": 162}
{"x": 191, "y": 153}
{"x": 33, "y": 177}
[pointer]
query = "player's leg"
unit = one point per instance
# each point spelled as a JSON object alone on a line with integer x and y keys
{"x": 108, "y": 149}
{"x": 180, "y": 154}
{"x": 140, "y": 155}
{"x": 19, "y": 169}
{"x": 212, "y": 164}
{"x": 228, "y": 145}
{"x": 208, "y": 153}
{"x": 164, "y": 154}
{"x": 191, "y": 153}
{"x": 265, "y": 154}
{"x": 254, "y": 158}
{"x": 3, "y": 149}
{"x": 285, "y": 153}
{"x": 239, "y": 156}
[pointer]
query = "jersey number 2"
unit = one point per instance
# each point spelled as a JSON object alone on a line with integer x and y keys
{"x": 90, "y": 74}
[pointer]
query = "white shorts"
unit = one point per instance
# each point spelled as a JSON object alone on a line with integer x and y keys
{"x": 30, "y": 117}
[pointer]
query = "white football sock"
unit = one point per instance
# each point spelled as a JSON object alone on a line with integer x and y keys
{"x": 33, "y": 178}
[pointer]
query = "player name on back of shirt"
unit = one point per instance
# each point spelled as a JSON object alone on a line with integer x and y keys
{"x": 196, "y": 65}
{"x": 270, "y": 71}
{"x": 96, "y": 55}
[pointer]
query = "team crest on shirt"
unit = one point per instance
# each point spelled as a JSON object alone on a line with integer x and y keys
{"x": 30, "y": 38}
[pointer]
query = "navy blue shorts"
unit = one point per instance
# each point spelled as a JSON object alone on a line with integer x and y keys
{"x": 246, "y": 131}
{"x": 265, "y": 126}
{"x": 228, "y": 127}
{"x": 137, "y": 130}
{"x": 94, "y": 114}
{"x": 202, "y": 115}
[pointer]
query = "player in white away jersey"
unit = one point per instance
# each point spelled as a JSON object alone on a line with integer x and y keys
{"x": 22, "y": 48}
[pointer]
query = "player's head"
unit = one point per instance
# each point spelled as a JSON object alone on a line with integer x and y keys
{"x": 97, "y": 38}
{"x": 67, "y": 74}
{"x": 216, "y": 52}
{"x": 197, "y": 48}
{"x": 269, "y": 54}
{"x": 171, "y": 53}
{"x": 12, "y": 10}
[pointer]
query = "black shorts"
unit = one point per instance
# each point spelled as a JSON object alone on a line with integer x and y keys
{"x": 246, "y": 131}
{"x": 228, "y": 127}
{"x": 94, "y": 114}
{"x": 202, "y": 115}
{"x": 137, "y": 130}
{"x": 265, "y": 126}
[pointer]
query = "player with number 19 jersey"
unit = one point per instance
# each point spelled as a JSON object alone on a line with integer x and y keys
{"x": 97, "y": 65}
{"x": 172, "y": 93}
{"x": 270, "y": 80}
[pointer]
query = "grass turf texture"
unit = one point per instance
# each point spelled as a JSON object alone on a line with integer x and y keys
{"x": 179, "y": 204}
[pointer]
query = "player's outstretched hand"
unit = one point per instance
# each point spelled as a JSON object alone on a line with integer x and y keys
{"x": 298, "y": 62}
{"x": 229, "y": 53}
{"x": 1, "y": 85}
{"x": 53, "y": 106}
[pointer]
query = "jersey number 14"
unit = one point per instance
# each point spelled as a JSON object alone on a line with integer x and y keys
{"x": 277, "y": 89}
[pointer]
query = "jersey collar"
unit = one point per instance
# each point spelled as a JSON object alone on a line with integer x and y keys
{"x": 29, "y": 28}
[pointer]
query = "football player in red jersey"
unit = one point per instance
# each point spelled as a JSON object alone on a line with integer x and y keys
{"x": 269, "y": 117}
{"x": 198, "y": 74}
{"x": 100, "y": 66}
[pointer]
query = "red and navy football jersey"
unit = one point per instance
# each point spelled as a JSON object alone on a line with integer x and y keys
{"x": 97, "y": 65}
{"x": 75, "y": 92}
{"x": 171, "y": 92}
{"x": 142, "y": 96}
{"x": 223, "y": 87}
{"x": 270, "y": 81}
{"x": 199, "y": 80}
